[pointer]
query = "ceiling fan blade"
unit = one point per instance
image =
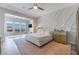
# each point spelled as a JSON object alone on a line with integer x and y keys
{"x": 30, "y": 8}
{"x": 41, "y": 8}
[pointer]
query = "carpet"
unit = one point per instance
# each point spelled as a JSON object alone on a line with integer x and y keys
{"x": 52, "y": 48}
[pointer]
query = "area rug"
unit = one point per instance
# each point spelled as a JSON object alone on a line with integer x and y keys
{"x": 53, "y": 48}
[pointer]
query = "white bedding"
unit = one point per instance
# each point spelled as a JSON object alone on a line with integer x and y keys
{"x": 39, "y": 35}
{"x": 39, "y": 39}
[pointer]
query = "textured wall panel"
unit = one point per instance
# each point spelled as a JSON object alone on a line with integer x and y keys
{"x": 62, "y": 19}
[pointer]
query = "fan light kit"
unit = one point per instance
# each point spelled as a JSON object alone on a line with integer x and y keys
{"x": 35, "y": 6}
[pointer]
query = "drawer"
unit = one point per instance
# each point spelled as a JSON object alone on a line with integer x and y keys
{"x": 60, "y": 38}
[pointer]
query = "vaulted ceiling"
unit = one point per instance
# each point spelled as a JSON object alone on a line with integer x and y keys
{"x": 23, "y": 8}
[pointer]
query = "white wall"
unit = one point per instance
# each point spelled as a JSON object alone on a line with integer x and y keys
{"x": 2, "y": 17}
{"x": 62, "y": 19}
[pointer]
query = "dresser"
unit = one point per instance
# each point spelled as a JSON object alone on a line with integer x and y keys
{"x": 60, "y": 37}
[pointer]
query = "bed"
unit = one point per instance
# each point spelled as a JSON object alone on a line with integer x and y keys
{"x": 39, "y": 39}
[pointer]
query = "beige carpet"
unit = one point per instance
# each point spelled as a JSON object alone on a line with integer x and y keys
{"x": 52, "y": 48}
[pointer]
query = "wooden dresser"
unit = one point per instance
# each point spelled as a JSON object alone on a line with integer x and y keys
{"x": 60, "y": 37}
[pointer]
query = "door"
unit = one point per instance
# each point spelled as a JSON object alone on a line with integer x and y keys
{"x": 77, "y": 31}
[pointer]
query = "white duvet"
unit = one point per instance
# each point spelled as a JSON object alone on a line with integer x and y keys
{"x": 39, "y": 35}
{"x": 39, "y": 38}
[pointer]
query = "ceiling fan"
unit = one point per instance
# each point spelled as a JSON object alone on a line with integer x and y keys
{"x": 35, "y": 6}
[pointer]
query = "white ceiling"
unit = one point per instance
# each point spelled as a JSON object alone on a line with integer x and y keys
{"x": 23, "y": 8}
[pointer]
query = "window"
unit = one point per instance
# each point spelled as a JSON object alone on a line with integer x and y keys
{"x": 17, "y": 27}
{"x": 9, "y": 26}
{"x": 23, "y": 27}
